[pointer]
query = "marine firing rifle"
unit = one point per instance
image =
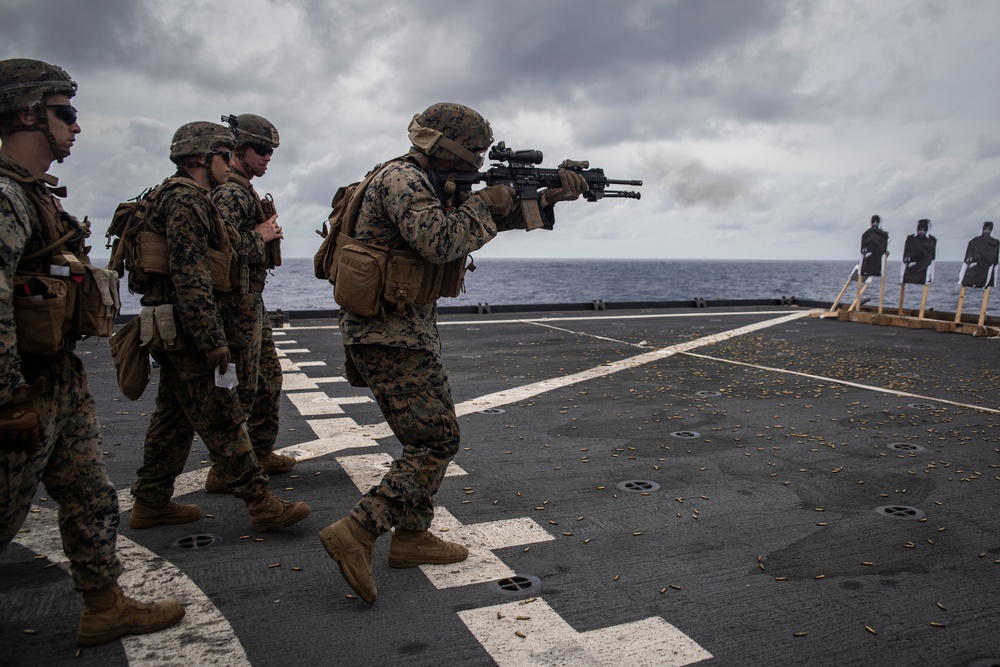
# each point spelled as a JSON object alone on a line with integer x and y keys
{"x": 520, "y": 174}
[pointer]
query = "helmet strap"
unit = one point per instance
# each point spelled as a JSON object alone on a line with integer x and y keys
{"x": 41, "y": 124}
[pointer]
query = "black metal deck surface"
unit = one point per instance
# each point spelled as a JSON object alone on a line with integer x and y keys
{"x": 649, "y": 486}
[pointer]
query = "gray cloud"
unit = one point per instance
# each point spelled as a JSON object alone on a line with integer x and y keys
{"x": 988, "y": 147}
{"x": 756, "y": 124}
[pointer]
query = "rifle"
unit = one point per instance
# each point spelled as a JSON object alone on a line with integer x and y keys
{"x": 272, "y": 251}
{"x": 520, "y": 174}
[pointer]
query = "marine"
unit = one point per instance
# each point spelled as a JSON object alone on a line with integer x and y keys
{"x": 193, "y": 393}
{"x": 396, "y": 351}
{"x": 244, "y": 309}
{"x": 49, "y": 430}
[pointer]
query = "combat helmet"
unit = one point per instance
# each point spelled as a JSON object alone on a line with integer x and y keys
{"x": 253, "y": 129}
{"x": 199, "y": 139}
{"x": 451, "y": 131}
{"x": 25, "y": 84}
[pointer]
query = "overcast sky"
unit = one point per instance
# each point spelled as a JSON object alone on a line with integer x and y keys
{"x": 763, "y": 129}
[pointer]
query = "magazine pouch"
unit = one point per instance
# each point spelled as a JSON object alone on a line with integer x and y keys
{"x": 453, "y": 276}
{"x": 159, "y": 330}
{"x": 403, "y": 279}
{"x": 360, "y": 276}
{"x": 225, "y": 267}
{"x": 40, "y": 314}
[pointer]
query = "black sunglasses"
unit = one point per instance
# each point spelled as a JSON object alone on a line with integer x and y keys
{"x": 260, "y": 150}
{"x": 64, "y": 112}
{"x": 227, "y": 156}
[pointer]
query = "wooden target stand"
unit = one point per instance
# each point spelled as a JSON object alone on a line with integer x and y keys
{"x": 908, "y": 319}
{"x": 978, "y": 328}
{"x": 862, "y": 286}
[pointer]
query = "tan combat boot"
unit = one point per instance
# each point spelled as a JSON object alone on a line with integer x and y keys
{"x": 144, "y": 516}
{"x": 350, "y": 544}
{"x": 108, "y": 614}
{"x": 270, "y": 512}
{"x": 409, "y": 548}
{"x": 215, "y": 482}
{"x": 275, "y": 463}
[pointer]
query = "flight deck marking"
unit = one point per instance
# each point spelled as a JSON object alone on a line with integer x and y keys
{"x": 544, "y": 638}
{"x": 203, "y": 637}
{"x": 366, "y": 470}
{"x": 301, "y": 381}
{"x": 507, "y": 396}
{"x": 318, "y": 403}
{"x": 848, "y": 383}
{"x": 348, "y": 433}
{"x": 482, "y": 539}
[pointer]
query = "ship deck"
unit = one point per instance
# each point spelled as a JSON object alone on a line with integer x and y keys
{"x": 736, "y": 485}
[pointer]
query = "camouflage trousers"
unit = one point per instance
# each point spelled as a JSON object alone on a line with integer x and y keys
{"x": 265, "y": 407}
{"x": 69, "y": 463}
{"x": 187, "y": 401}
{"x": 411, "y": 388}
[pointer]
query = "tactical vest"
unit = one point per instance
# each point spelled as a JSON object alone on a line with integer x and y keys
{"x": 143, "y": 252}
{"x": 364, "y": 275}
{"x": 265, "y": 209}
{"x": 59, "y": 296}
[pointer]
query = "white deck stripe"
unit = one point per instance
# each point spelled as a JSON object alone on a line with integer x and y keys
{"x": 869, "y": 387}
{"x": 204, "y": 637}
{"x": 545, "y": 639}
{"x": 521, "y": 393}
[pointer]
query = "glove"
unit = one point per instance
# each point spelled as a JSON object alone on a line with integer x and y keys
{"x": 571, "y": 183}
{"x": 20, "y": 428}
{"x": 218, "y": 358}
{"x": 499, "y": 199}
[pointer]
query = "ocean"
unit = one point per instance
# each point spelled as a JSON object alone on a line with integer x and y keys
{"x": 292, "y": 286}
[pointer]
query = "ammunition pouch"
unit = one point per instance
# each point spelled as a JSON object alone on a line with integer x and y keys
{"x": 453, "y": 276}
{"x": 366, "y": 274}
{"x": 60, "y": 307}
{"x": 148, "y": 255}
{"x": 159, "y": 329}
{"x": 43, "y": 320}
{"x": 58, "y": 293}
{"x": 360, "y": 276}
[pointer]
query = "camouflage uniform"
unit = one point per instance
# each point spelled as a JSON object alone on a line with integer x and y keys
{"x": 68, "y": 460}
{"x": 187, "y": 399}
{"x": 399, "y": 354}
{"x": 260, "y": 371}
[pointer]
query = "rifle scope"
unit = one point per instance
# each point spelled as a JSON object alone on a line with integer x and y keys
{"x": 502, "y": 153}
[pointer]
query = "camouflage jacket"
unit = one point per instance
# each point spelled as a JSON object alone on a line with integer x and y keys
{"x": 400, "y": 210}
{"x": 185, "y": 216}
{"x": 20, "y": 235}
{"x": 239, "y": 205}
